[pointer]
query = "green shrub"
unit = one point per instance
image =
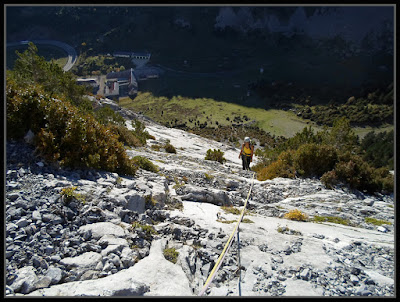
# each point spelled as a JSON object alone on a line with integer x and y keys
{"x": 140, "y": 132}
{"x": 155, "y": 147}
{"x": 247, "y": 220}
{"x": 148, "y": 229}
{"x": 215, "y": 155}
{"x": 174, "y": 203}
{"x": 126, "y": 136}
{"x": 226, "y": 221}
{"x": 286, "y": 230}
{"x": 63, "y": 133}
{"x": 171, "y": 254}
{"x": 331, "y": 219}
{"x": 314, "y": 160}
{"x": 375, "y": 221}
{"x": 169, "y": 148}
{"x": 296, "y": 214}
{"x": 330, "y": 179}
{"x": 145, "y": 164}
{"x": 282, "y": 167}
{"x": 379, "y": 149}
{"x": 68, "y": 195}
{"x": 230, "y": 209}
{"x": 32, "y": 69}
{"x": 387, "y": 183}
{"x": 105, "y": 115}
{"x": 353, "y": 170}
{"x": 208, "y": 176}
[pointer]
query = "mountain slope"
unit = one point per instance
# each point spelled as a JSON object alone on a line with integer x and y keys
{"x": 113, "y": 243}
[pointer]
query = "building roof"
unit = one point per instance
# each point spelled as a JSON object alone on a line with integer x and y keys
{"x": 141, "y": 54}
{"x": 131, "y": 53}
{"x": 122, "y": 53}
{"x": 126, "y": 74}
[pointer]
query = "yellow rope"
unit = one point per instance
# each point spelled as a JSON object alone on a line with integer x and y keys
{"x": 227, "y": 245}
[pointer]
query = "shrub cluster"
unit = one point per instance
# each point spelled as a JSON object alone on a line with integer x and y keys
{"x": 314, "y": 160}
{"x": 296, "y": 214}
{"x": 234, "y": 134}
{"x": 375, "y": 108}
{"x": 99, "y": 64}
{"x": 62, "y": 132}
{"x": 379, "y": 149}
{"x": 169, "y": 148}
{"x": 333, "y": 155}
{"x": 31, "y": 69}
{"x": 41, "y": 97}
{"x": 68, "y": 194}
{"x": 215, "y": 155}
{"x": 332, "y": 219}
{"x": 171, "y": 254}
{"x": 359, "y": 174}
{"x": 140, "y": 132}
{"x": 282, "y": 167}
{"x": 105, "y": 115}
{"x": 126, "y": 136}
{"x": 148, "y": 230}
{"x": 145, "y": 164}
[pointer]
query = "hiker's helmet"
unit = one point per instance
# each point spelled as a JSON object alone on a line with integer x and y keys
{"x": 247, "y": 139}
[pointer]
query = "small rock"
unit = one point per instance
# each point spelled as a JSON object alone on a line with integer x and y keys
{"x": 305, "y": 274}
{"x": 89, "y": 275}
{"x": 318, "y": 236}
{"x": 49, "y": 249}
{"x": 13, "y": 196}
{"x": 26, "y": 278}
{"x": 354, "y": 279}
{"x": 55, "y": 258}
{"x": 36, "y": 261}
{"x": 23, "y": 222}
{"x": 382, "y": 229}
{"x": 55, "y": 274}
{"x": 355, "y": 271}
{"x": 52, "y": 218}
{"x": 281, "y": 277}
{"x": 43, "y": 282}
{"x": 369, "y": 202}
{"x": 29, "y": 136}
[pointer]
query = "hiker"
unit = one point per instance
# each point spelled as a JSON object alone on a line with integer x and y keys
{"x": 246, "y": 153}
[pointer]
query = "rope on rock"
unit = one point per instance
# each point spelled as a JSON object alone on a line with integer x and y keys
{"x": 227, "y": 245}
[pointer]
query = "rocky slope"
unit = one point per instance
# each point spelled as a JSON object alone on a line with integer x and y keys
{"x": 112, "y": 242}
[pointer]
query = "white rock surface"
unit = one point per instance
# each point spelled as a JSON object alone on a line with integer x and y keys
{"x": 100, "y": 229}
{"x": 86, "y": 260}
{"x": 279, "y": 257}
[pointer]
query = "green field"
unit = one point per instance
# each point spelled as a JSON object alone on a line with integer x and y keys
{"x": 49, "y": 52}
{"x": 164, "y": 110}
{"x": 192, "y": 110}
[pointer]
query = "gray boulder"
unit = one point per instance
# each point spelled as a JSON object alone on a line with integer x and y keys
{"x": 209, "y": 195}
{"x": 88, "y": 260}
{"x": 135, "y": 203}
{"x": 55, "y": 274}
{"x": 100, "y": 229}
{"x": 25, "y": 280}
{"x": 119, "y": 284}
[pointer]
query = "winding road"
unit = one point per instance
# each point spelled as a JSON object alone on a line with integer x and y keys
{"x": 72, "y": 55}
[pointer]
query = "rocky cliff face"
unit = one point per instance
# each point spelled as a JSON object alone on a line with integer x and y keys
{"x": 355, "y": 25}
{"x": 112, "y": 242}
